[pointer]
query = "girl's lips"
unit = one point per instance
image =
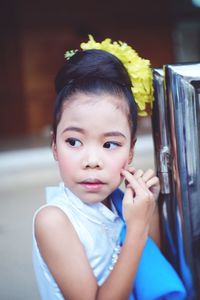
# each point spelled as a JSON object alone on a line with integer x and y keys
{"x": 92, "y": 185}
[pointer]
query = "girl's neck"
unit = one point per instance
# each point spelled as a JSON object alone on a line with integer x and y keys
{"x": 107, "y": 203}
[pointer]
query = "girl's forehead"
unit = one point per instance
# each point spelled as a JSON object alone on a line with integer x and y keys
{"x": 96, "y": 100}
{"x": 95, "y": 113}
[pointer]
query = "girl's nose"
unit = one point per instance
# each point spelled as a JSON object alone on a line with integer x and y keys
{"x": 93, "y": 160}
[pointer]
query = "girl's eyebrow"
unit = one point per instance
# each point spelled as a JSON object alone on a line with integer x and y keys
{"x": 73, "y": 128}
{"x": 114, "y": 133}
{"x": 106, "y": 134}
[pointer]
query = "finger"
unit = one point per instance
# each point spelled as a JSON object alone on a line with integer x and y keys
{"x": 152, "y": 182}
{"x": 145, "y": 187}
{"x": 131, "y": 169}
{"x": 128, "y": 196}
{"x": 138, "y": 173}
{"x": 148, "y": 175}
{"x": 137, "y": 184}
{"x": 142, "y": 183}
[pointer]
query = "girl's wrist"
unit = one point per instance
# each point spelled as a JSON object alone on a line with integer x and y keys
{"x": 137, "y": 233}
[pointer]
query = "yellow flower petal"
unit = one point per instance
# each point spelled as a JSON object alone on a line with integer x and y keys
{"x": 138, "y": 69}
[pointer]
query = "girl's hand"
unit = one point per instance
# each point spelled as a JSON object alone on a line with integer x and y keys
{"x": 151, "y": 181}
{"x": 142, "y": 189}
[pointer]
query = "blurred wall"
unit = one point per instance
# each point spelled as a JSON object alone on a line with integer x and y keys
{"x": 35, "y": 35}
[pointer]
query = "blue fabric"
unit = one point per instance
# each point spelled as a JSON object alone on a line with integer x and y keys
{"x": 156, "y": 279}
{"x": 177, "y": 256}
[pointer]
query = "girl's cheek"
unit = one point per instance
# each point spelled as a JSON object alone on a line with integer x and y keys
{"x": 117, "y": 167}
{"x": 125, "y": 163}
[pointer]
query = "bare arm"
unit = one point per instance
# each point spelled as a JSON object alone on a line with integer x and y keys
{"x": 138, "y": 208}
{"x": 64, "y": 254}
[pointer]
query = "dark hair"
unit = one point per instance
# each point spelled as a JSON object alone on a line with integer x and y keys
{"x": 94, "y": 71}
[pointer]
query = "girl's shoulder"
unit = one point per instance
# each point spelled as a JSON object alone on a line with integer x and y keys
{"x": 49, "y": 214}
{"x": 57, "y": 204}
{"x": 55, "y": 214}
{"x": 49, "y": 221}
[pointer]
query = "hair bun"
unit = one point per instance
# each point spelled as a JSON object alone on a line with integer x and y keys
{"x": 92, "y": 64}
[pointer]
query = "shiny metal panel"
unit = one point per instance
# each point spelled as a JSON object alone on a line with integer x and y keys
{"x": 176, "y": 132}
{"x": 160, "y": 131}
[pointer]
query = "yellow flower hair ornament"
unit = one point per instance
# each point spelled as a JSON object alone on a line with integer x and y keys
{"x": 139, "y": 70}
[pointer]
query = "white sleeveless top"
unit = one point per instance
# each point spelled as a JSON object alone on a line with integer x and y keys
{"x": 98, "y": 229}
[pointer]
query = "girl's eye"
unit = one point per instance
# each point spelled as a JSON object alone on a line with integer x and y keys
{"x": 111, "y": 145}
{"x": 73, "y": 142}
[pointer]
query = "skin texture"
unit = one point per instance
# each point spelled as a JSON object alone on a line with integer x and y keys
{"x": 93, "y": 149}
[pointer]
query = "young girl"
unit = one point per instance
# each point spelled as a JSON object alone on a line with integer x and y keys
{"x": 90, "y": 240}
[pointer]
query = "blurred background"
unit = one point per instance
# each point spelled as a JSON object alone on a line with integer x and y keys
{"x": 33, "y": 38}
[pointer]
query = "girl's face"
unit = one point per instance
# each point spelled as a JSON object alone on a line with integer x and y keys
{"x": 93, "y": 145}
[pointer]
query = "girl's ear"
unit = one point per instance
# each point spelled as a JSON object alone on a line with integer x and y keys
{"x": 131, "y": 153}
